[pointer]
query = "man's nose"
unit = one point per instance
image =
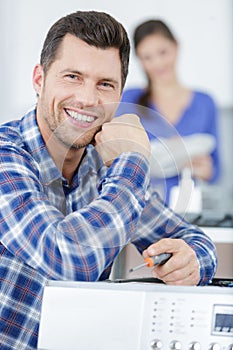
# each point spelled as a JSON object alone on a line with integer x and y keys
{"x": 87, "y": 95}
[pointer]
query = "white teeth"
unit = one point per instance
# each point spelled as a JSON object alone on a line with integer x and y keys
{"x": 80, "y": 117}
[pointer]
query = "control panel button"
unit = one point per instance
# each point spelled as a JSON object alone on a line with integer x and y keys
{"x": 195, "y": 346}
{"x": 214, "y": 346}
{"x": 156, "y": 344}
{"x": 175, "y": 345}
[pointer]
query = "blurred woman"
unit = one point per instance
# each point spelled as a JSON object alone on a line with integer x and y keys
{"x": 166, "y": 107}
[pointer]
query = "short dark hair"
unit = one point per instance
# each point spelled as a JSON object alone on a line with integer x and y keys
{"x": 98, "y": 29}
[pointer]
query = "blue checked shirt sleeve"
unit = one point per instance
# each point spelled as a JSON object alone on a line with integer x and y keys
{"x": 81, "y": 245}
{"x": 158, "y": 221}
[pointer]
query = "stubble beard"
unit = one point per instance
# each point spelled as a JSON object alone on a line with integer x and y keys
{"x": 81, "y": 142}
{"x": 63, "y": 132}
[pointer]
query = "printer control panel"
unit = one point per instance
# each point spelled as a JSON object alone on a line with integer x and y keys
{"x": 189, "y": 321}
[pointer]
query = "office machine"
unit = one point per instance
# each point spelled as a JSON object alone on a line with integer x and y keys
{"x": 136, "y": 316}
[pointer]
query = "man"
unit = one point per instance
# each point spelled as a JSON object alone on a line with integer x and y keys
{"x": 74, "y": 182}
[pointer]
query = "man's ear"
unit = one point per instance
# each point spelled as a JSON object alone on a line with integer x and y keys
{"x": 37, "y": 78}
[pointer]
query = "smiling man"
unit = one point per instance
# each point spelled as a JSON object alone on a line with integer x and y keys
{"x": 75, "y": 90}
{"x": 74, "y": 181}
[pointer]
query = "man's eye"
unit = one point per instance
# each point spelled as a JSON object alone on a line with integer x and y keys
{"x": 72, "y": 76}
{"x": 107, "y": 85}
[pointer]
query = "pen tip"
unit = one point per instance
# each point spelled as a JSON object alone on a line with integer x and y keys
{"x": 131, "y": 270}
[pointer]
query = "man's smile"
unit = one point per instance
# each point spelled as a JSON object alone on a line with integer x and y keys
{"x": 80, "y": 117}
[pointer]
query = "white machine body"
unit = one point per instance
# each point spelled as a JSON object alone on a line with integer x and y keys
{"x": 135, "y": 316}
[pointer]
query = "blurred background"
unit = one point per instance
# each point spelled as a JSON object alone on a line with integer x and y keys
{"x": 204, "y": 31}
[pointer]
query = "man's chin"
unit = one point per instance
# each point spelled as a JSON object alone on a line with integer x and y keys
{"x": 75, "y": 141}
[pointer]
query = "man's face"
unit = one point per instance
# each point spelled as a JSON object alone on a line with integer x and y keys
{"x": 79, "y": 92}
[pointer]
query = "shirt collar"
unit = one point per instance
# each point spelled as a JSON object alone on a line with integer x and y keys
{"x": 35, "y": 145}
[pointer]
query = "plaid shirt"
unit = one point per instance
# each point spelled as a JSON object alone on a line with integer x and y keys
{"x": 50, "y": 230}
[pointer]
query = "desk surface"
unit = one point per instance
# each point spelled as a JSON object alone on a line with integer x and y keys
{"x": 219, "y": 234}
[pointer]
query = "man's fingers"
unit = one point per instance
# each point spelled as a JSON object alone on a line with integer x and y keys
{"x": 122, "y": 134}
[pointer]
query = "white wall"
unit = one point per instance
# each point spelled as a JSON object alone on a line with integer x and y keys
{"x": 203, "y": 27}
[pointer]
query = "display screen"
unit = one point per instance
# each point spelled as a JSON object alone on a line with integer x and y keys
{"x": 223, "y": 320}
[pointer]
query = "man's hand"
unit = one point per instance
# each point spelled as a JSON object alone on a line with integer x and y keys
{"x": 181, "y": 269}
{"x": 122, "y": 134}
